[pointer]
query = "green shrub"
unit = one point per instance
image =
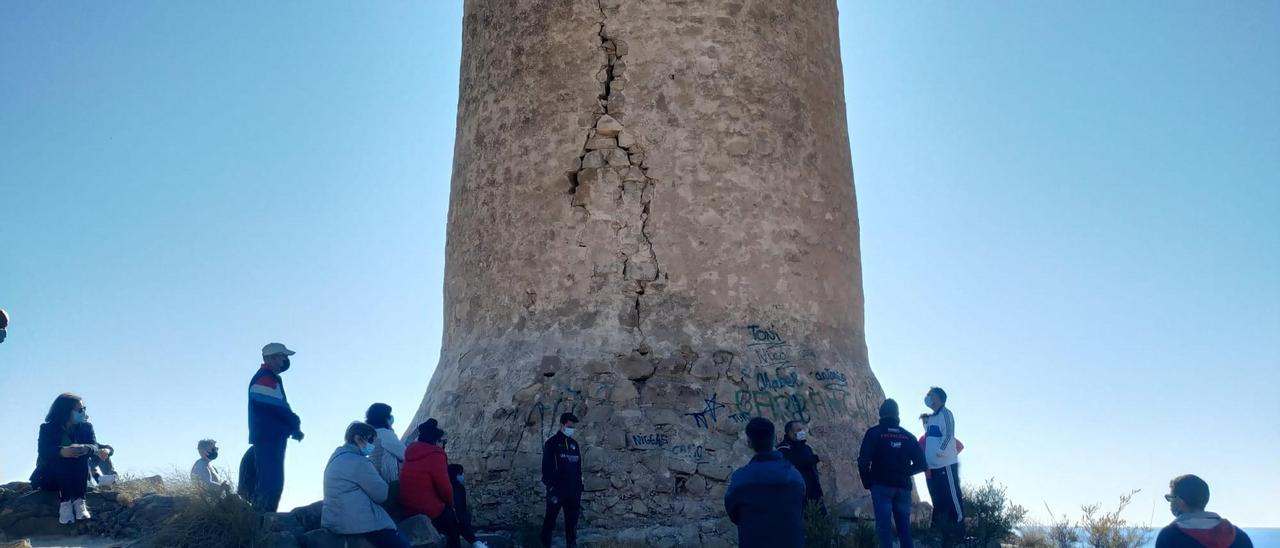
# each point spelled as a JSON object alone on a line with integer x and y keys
{"x": 989, "y": 516}
{"x": 820, "y": 527}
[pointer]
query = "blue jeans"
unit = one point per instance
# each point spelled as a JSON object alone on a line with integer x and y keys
{"x": 892, "y": 503}
{"x": 269, "y": 465}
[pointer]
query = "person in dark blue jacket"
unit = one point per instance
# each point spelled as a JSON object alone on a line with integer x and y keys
{"x": 271, "y": 424}
{"x": 562, "y": 475}
{"x": 890, "y": 455}
{"x": 766, "y": 497}
{"x": 65, "y": 446}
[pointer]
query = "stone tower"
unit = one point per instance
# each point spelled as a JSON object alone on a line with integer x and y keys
{"x": 652, "y": 224}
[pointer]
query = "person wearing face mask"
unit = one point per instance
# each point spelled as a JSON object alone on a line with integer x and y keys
{"x": 354, "y": 492}
{"x": 271, "y": 423}
{"x": 795, "y": 447}
{"x": 942, "y": 454}
{"x": 203, "y": 474}
{"x": 4, "y": 324}
{"x": 388, "y": 450}
{"x": 456, "y": 477}
{"x": 562, "y": 476}
{"x": 424, "y": 483}
{"x": 63, "y": 450}
{"x": 1193, "y": 527}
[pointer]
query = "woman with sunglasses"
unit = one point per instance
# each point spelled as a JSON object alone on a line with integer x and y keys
{"x": 65, "y": 446}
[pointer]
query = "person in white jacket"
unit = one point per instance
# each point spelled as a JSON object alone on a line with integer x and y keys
{"x": 388, "y": 450}
{"x": 354, "y": 492}
{"x": 944, "y": 468}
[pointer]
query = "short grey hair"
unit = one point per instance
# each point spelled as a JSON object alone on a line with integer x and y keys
{"x": 205, "y": 444}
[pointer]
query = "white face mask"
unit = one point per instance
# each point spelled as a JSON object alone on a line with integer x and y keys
{"x": 802, "y": 435}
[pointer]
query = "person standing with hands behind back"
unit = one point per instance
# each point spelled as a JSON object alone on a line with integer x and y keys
{"x": 271, "y": 423}
{"x": 562, "y": 474}
{"x": 888, "y": 458}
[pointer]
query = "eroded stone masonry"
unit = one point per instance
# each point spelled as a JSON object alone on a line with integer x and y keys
{"x": 652, "y": 225}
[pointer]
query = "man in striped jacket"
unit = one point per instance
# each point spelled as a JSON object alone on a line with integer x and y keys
{"x": 271, "y": 424}
{"x": 942, "y": 454}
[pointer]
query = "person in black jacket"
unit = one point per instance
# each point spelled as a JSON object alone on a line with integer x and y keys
{"x": 795, "y": 447}
{"x": 1193, "y": 526}
{"x": 562, "y": 474}
{"x": 888, "y": 458}
{"x": 66, "y": 443}
{"x": 468, "y": 533}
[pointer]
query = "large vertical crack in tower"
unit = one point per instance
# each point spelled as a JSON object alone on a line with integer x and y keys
{"x": 652, "y": 225}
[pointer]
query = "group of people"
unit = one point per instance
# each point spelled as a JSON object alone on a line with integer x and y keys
{"x": 768, "y": 497}
{"x": 373, "y": 478}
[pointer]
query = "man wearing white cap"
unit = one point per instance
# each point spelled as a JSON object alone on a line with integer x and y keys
{"x": 271, "y": 424}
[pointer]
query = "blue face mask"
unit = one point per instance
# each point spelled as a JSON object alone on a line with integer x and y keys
{"x": 569, "y": 431}
{"x": 79, "y": 416}
{"x": 367, "y": 450}
{"x": 391, "y": 421}
{"x": 460, "y": 476}
{"x": 928, "y": 402}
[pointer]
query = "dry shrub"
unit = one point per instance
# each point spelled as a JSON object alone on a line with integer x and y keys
{"x": 1109, "y": 529}
{"x": 212, "y": 520}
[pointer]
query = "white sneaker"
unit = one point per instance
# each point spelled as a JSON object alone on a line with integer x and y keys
{"x": 81, "y": 511}
{"x": 66, "y": 515}
{"x": 106, "y": 480}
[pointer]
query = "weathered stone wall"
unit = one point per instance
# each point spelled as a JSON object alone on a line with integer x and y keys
{"x": 653, "y": 225}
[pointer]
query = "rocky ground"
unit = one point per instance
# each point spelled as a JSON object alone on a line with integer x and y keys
{"x": 131, "y": 518}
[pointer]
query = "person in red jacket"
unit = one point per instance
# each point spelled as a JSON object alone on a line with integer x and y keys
{"x": 424, "y": 483}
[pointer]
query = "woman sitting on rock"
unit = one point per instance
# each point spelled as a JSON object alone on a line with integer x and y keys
{"x": 354, "y": 492}
{"x": 388, "y": 452}
{"x": 62, "y": 464}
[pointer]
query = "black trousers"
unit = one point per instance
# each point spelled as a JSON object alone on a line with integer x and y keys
{"x": 248, "y": 475}
{"x": 572, "y": 506}
{"x": 447, "y": 524}
{"x": 69, "y": 477}
{"x": 948, "y": 505}
{"x": 464, "y": 525}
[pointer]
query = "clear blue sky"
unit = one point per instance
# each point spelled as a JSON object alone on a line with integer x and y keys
{"x": 1070, "y": 214}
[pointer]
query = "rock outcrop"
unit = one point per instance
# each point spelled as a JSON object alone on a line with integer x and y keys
{"x": 652, "y": 225}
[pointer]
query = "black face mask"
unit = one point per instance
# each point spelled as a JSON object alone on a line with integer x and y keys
{"x": 284, "y": 365}
{"x": 212, "y": 454}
